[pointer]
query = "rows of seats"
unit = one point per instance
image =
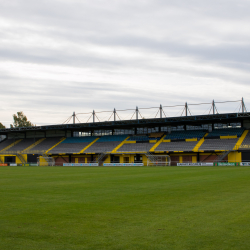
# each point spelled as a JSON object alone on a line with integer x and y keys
{"x": 176, "y": 146}
{"x": 22, "y": 145}
{"x": 25, "y": 143}
{"x": 106, "y": 144}
{"x": 72, "y": 145}
{"x": 109, "y": 142}
{"x": 188, "y": 134}
{"x": 99, "y": 147}
{"x": 46, "y": 144}
{"x": 6, "y": 143}
{"x": 68, "y": 148}
{"x": 139, "y": 138}
{"x": 245, "y": 145}
{"x": 112, "y": 138}
{"x": 79, "y": 139}
{"x": 226, "y": 132}
{"x": 218, "y": 144}
{"x": 135, "y": 147}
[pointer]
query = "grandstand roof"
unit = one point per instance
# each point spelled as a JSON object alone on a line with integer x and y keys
{"x": 138, "y": 123}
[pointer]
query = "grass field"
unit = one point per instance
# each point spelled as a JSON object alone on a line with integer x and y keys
{"x": 124, "y": 208}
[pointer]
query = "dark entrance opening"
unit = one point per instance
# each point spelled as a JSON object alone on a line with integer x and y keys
{"x": 115, "y": 159}
{"x": 10, "y": 159}
{"x": 245, "y": 155}
{"x": 32, "y": 158}
{"x": 138, "y": 158}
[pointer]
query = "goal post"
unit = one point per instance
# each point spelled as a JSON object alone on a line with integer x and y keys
{"x": 45, "y": 161}
{"x": 159, "y": 160}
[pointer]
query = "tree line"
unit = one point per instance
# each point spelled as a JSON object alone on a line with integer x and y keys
{"x": 19, "y": 120}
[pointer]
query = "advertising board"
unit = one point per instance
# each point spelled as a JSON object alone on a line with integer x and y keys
{"x": 80, "y": 164}
{"x": 122, "y": 164}
{"x": 220, "y": 164}
{"x": 196, "y": 164}
{"x": 245, "y": 163}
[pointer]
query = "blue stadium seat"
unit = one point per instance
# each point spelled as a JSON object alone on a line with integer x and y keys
{"x": 188, "y": 134}
{"x": 226, "y": 132}
{"x": 139, "y": 138}
{"x": 110, "y": 138}
{"x": 79, "y": 139}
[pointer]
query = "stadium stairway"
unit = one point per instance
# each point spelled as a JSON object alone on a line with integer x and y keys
{"x": 11, "y": 145}
{"x": 21, "y": 158}
{"x": 91, "y": 143}
{"x": 33, "y": 145}
{"x": 157, "y": 144}
{"x": 116, "y": 148}
{"x": 62, "y": 139}
{"x": 241, "y": 139}
{"x": 196, "y": 148}
{"x": 223, "y": 155}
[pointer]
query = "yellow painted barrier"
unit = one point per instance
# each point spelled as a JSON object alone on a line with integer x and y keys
{"x": 197, "y": 146}
{"x": 124, "y": 141}
{"x": 88, "y": 146}
{"x": 62, "y": 139}
{"x": 241, "y": 139}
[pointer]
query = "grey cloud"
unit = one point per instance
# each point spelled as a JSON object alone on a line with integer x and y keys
{"x": 153, "y": 28}
{"x": 74, "y": 25}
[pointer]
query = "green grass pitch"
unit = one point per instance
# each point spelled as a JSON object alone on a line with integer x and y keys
{"x": 124, "y": 208}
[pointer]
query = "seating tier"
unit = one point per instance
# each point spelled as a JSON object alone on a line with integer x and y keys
{"x": 23, "y": 144}
{"x": 245, "y": 145}
{"x": 139, "y": 138}
{"x": 79, "y": 139}
{"x": 100, "y": 147}
{"x": 226, "y": 132}
{"x": 135, "y": 147}
{"x": 188, "y": 134}
{"x": 218, "y": 144}
{"x": 46, "y": 144}
{"x": 6, "y": 143}
{"x": 112, "y": 138}
{"x": 176, "y": 146}
{"x": 68, "y": 148}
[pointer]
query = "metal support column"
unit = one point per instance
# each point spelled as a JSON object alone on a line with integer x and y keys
{"x": 243, "y": 105}
{"x": 93, "y": 115}
{"x": 74, "y": 117}
{"x": 160, "y": 111}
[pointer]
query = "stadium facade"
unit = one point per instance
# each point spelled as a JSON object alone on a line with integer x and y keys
{"x": 201, "y": 139}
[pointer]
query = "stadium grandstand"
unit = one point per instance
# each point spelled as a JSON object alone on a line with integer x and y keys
{"x": 186, "y": 139}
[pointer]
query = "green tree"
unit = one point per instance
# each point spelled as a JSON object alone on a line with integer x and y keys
{"x": 1, "y": 126}
{"x": 20, "y": 120}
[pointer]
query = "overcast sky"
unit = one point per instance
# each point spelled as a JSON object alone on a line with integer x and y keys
{"x": 60, "y": 56}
